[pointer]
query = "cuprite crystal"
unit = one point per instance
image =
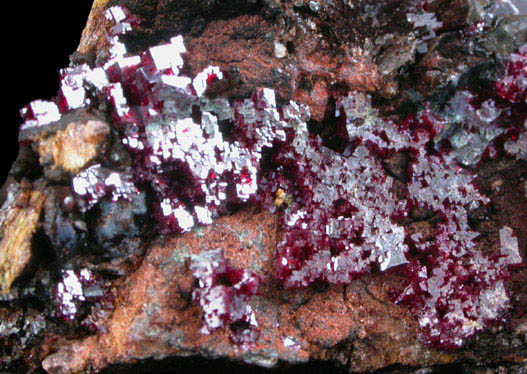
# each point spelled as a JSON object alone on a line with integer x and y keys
{"x": 76, "y": 291}
{"x": 39, "y": 113}
{"x": 223, "y": 293}
{"x": 513, "y": 85}
{"x": 95, "y": 182}
{"x": 199, "y": 158}
{"x": 424, "y": 21}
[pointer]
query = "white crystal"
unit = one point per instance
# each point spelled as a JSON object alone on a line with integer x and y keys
{"x": 166, "y": 56}
{"x": 200, "y": 81}
{"x": 509, "y": 246}
{"x": 184, "y": 218}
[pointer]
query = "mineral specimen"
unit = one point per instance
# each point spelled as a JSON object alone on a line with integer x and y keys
{"x": 347, "y": 192}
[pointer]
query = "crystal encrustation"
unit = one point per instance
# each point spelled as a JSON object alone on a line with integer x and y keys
{"x": 223, "y": 293}
{"x": 340, "y": 218}
{"x": 76, "y": 293}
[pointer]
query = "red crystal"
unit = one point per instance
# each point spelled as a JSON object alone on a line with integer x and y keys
{"x": 223, "y": 293}
{"x": 340, "y": 218}
{"x": 513, "y": 86}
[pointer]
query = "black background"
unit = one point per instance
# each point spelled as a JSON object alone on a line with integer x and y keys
{"x": 38, "y": 38}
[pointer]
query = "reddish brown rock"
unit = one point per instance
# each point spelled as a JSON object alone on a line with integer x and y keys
{"x": 349, "y": 324}
{"x": 154, "y": 319}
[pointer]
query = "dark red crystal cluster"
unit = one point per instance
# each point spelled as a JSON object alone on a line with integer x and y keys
{"x": 201, "y": 157}
{"x": 513, "y": 86}
{"x": 223, "y": 293}
{"x": 75, "y": 293}
{"x": 96, "y": 182}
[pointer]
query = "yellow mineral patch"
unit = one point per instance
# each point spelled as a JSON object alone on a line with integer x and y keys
{"x": 99, "y": 3}
{"x": 281, "y": 198}
{"x": 75, "y": 146}
{"x": 15, "y": 248}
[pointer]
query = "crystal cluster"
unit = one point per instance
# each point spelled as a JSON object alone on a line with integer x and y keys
{"x": 96, "y": 182}
{"x": 469, "y": 128}
{"x": 200, "y": 157}
{"x": 74, "y": 292}
{"x": 473, "y": 121}
{"x": 342, "y": 220}
{"x": 459, "y": 291}
{"x": 39, "y": 113}
{"x": 338, "y": 222}
{"x": 337, "y": 226}
{"x": 453, "y": 288}
{"x": 513, "y": 86}
{"x": 518, "y": 147}
{"x": 424, "y": 21}
{"x": 178, "y": 148}
{"x": 223, "y": 293}
{"x": 473, "y": 125}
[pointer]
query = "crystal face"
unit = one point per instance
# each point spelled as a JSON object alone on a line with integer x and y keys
{"x": 96, "y": 182}
{"x": 513, "y": 86}
{"x": 75, "y": 293}
{"x": 340, "y": 216}
{"x": 223, "y": 293}
{"x": 39, "y": 113}
{"x": 424, "y": 22}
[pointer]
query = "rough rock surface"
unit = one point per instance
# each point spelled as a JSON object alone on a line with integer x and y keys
{"x": 74, "y": 147}
{"x": 138, "y": 312}
{"x": 21, "y": 213}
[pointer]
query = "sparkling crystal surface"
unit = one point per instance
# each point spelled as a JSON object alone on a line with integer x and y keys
{"x": 223, "y": 293}
{"x": 200, "y": 157}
